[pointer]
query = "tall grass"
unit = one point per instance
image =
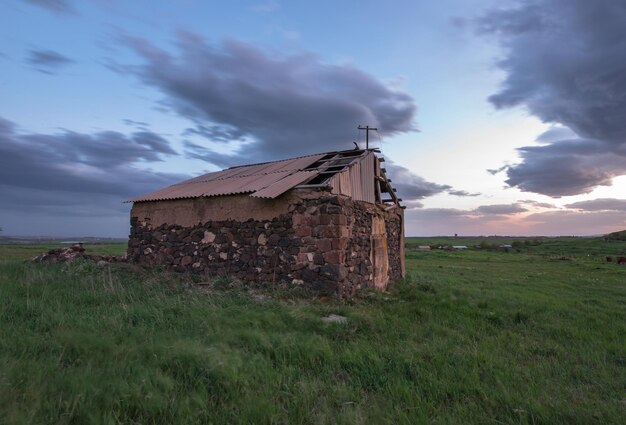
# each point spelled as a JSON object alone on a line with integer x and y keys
{"x": 471, "y": 337}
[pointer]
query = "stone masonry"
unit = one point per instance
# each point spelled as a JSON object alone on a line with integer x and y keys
{"x": 322, "y": 243}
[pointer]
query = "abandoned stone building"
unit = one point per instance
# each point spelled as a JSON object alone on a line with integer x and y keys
{"x": 330, "y": 221}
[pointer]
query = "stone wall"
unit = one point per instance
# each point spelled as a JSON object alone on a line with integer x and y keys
{"x": 322, "y": 242}
{"x": 395, "y": 242}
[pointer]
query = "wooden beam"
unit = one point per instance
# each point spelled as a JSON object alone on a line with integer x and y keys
{"x": 390, "y": 190}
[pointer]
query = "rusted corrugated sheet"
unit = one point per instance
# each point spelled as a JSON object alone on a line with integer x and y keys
{"x": 368, "y": 178}
{"x": 283, "y": 185}
{"x": 357, "y": 181}
{"x": 244, "y": 179}
{"x": 271, "y": 179}
{"x": 340, "y": 184}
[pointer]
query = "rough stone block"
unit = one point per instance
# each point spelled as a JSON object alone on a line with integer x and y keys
{"x": 339, "y": 243}
{"x": 334, "y": 257}
{"x": 331, "y": 232}
{"x": 299, "y": 266}
{"x": 325, "y": 219}
{"x": 298, "y": 220}
{"x": 313, "y": 220}
{"x": 324, "y": 245}
{"x": 303, "y": 231}
{"x": 334, "y": 272}
{"x": 339, "y": 219}
{"x": 333, "y": 209}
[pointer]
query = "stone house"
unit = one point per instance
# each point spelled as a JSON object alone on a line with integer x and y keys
{"x": 330, "y": 221}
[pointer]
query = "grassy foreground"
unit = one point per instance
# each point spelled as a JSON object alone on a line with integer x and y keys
{"x": 470, "y": 337}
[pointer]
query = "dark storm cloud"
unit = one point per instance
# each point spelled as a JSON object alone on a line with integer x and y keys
{"x": 141, "y": 125}
{"x": 77, "y": 174}
{"x": 566, "y": 167}
{"x": 281, "y": 105}
{"x": 566, "y": 222}
{"x": 556, "y": 134}
{"x": 484, "y": 212}
{"x": 195, "y": 151}
{"x": 495, "y": 171}
{"x": 412, "y": 205}
{"x": 445, "y": 221}
{"x": 500, "y": 209}
{"x": 411, "y": 186}
{"x": 591, "y": 217}
{"x": 565, "y": 62}
{"x": 601, "y": 204}
{"x": 47, "y": 61}
{"x": 448, "y": 221}
{"x": 463, "y": 193}
{"x": 537, "y": 204}
{"x": 57, "y": 6}
{"x": 218, "y": 133}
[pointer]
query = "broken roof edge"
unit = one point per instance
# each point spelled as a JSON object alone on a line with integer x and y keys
{"x": 303, "y": 156}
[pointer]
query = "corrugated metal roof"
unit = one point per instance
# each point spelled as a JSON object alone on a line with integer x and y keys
{"x": 283, "y": 185}
{"x": 265, "y": 180}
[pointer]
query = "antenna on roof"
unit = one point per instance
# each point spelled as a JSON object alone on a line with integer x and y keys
{"x": 367, "y": 129}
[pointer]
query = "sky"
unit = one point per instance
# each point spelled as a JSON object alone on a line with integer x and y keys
{"x": 495, "y": 117}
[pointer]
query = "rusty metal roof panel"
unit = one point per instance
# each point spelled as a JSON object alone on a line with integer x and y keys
{"x": 283, "y": 185}
{"x": 294, "y": 164}
{"x": 265, "y": 180}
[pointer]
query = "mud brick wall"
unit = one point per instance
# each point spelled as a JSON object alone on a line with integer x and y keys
{"x": 321, "y": 242}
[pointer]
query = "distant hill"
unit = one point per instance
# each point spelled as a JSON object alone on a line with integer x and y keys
{"x": 616, "y": 236}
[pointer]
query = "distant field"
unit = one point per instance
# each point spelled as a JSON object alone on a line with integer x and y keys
{"x": 530, "y": 337}
{"x": 592, "y": 246}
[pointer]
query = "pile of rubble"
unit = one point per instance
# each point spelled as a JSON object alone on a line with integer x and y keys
{"x": 69, "y": 254}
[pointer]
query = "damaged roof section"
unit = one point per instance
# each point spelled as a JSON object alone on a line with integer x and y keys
{"x": 272, "y": 179}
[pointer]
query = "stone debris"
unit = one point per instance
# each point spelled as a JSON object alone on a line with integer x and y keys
{"x": 335, "y": 318}
{"x": 71, "y": 253}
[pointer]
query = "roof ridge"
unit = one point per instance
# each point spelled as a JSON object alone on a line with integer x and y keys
{"x": 288, "y": 159}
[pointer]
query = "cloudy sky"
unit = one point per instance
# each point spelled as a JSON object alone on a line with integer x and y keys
{"x": 496, "y": 117}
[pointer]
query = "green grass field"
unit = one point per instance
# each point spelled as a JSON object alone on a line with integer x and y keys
{"x": 490, "y": 337}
